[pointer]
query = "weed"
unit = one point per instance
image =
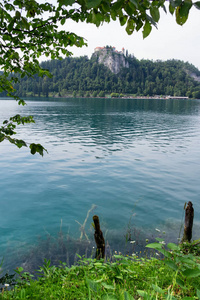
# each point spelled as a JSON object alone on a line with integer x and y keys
{"x": 177, "y": 276}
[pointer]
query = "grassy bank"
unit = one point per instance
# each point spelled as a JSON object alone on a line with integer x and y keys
{"x": 175, "y": 276}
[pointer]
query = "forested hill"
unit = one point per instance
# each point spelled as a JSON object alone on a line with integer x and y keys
{"x": 86, "y": 77}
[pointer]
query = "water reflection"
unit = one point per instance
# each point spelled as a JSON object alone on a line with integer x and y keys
{"x": 119, "y": 122}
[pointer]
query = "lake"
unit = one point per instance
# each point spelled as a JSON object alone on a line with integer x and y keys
{"x": 135, "y": 162}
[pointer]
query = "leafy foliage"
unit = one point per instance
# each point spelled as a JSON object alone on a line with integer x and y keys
{"x": 175, "y": 277}
{"x": 186, "y": 267}
{"x": 28, "y": 30}
{"x": 8, "y": 130}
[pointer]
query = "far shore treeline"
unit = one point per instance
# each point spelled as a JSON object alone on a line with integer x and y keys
{"x": 84, "y": 77}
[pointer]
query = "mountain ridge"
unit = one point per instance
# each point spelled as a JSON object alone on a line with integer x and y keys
{"x": 113, "y": 72}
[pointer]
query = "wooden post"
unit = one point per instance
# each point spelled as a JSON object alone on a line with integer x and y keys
{"x": 189, "y": 216}
{"x": 99, "y": 239}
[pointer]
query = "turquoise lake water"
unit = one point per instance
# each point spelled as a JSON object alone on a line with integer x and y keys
{"x": 137, "y": 161}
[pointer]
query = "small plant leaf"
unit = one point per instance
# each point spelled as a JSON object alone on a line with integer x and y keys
{"x": 127, "y": 296}
{"x": 180, "y": 283}
{"x": 165, "y": 253}
{"x": 92, "y": 284}
{"x": 108, "y": 286}
{"x": 197, "y": 4}
{"x": 157, "y": 289}
{"x": 92, "y": 3}
{"x": 146, "y": 29}
{"x": 192, "y": 273}
{"x": 171, "y": 264}
{"x": 156, "y": 246}
{"x": 143, "y": 294}
{"x": 108, "y": 297}
{"x": 173, "y": 246}
{"x": 154, "y": 11}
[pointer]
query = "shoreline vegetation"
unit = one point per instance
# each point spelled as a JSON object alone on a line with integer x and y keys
{"x": 165, "y": 271}
{"x": 115, "y": 96}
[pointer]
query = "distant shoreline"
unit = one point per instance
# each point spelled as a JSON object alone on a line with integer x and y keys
{"x": 124, "y": 97}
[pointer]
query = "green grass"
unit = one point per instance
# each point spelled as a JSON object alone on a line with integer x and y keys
{"x": 176, "y": 276}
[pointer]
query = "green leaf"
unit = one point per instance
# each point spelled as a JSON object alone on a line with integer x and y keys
{"x": 180, "y": 283}
{"x": 123, "y": 20}
{"x": 171, "y": 264}
{"x": 135, "y": 2}
{"x": 20, "y": 143}
{"x": 98, "y": 264}
{"x": 2, "y": 137}
{"x": 170, "y": 297}
{"x": 92, "y": 3}
{"x": 154, "y": 11}
{"x": 129, "y": 9}
{"x": 33, "y": 148}
{"x": 130, "y": 26}
{"x": 20, "y": 269}
{"x": 96, "y": 18}
{"x": 198, "y": 293}
{"x": 10, "y": 26}
{"x": 146, "y": 29}
{"x": 139, "y": 24}
{"x": 197, "y": 4}
{"x": 107, "y": 286}
{"x": 180, "y": 20}
{"x": 173, "y": 246}
{"x": 165, "y": 253}
{"x": 156, "y": 246}
{"x": 17, "y": 14}
{"x": 37, "y": 148}
{"x": 157, "y": 289}
{"x": 142, "y": 293}
{"x": 117, "y": 5}
{"x": 66, "y": 2}
{"x": 92, "y": 284}
{"x": 191, "y": 273}
{"x": 182, "y": 12}
{"x": 105, "y": 7}
{"x": 127, "y": 296}
{"x": 185, "y": 7}
{"x": 175, "y": 3}
{"x": 171, "y": 9}
{"x": 62, "y": 21}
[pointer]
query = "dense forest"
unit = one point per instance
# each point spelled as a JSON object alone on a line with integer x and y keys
{"x": 85, "y": 77}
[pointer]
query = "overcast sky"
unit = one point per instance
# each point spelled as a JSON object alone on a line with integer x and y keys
{"x": 169, "y": 41}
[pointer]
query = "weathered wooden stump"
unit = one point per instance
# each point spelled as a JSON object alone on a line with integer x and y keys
{"x": 189, "y": 216}
{"x": 99, "y": 239}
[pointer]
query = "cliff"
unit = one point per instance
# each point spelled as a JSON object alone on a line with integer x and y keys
{"x": 110, "y": 71}
{"x": 111, "y": 58}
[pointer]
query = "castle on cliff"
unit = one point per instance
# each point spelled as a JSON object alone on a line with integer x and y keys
{"x": 110, "y": 48}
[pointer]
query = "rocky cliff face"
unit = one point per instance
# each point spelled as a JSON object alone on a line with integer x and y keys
{"x": 111, "y": 58}
{"x": 193, "y": 75}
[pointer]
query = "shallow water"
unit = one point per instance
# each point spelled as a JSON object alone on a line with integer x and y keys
{"x": 138, "y": 161}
